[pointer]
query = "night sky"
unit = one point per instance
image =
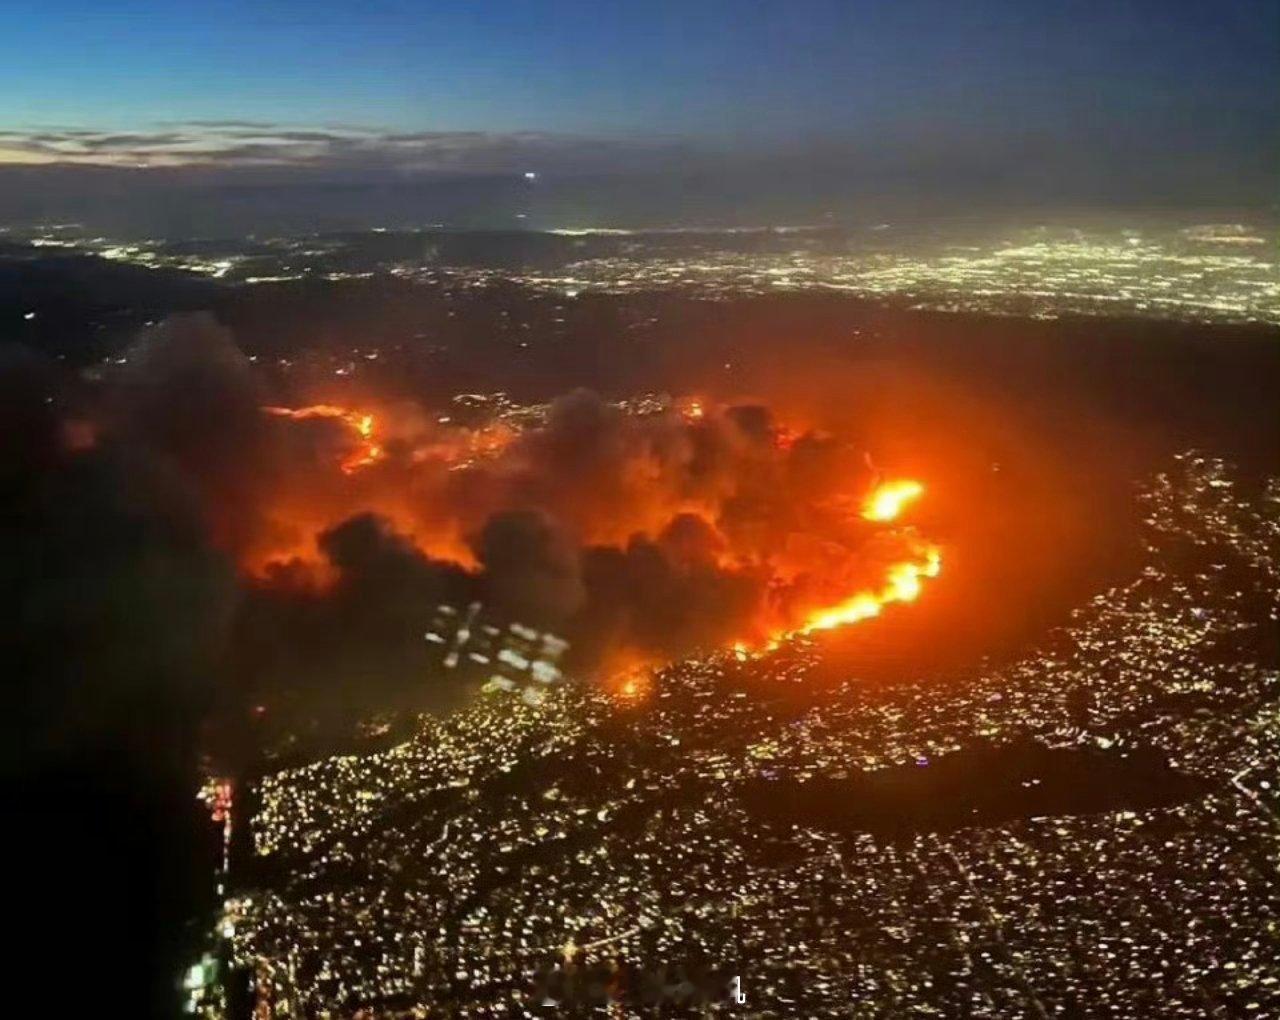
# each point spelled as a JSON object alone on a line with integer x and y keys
{"x": 996, "y": 94}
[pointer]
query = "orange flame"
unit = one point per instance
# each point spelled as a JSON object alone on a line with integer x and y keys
{"x": 368, "y": 452}
{"x": 888, "y": 499}
{"x": 817, "y": 586}
{"x": 628, "y": 676}
{"x": 902, "y": 584}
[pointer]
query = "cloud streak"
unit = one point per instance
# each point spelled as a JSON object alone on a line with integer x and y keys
{"x": 233, "y": 144}
{"x": 68, "y": 171}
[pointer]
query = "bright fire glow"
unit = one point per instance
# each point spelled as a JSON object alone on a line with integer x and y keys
{"x": 817, "y": 581}
{"x": 366, "y": 453}
{"x": 903, "y": 581}
{"x": 902, "y": 584}
{"x": 692, "y": 410}
{"x": 887, "y": 499}
{"x": 628, "y": 676}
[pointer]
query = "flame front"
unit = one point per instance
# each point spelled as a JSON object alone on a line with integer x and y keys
{"x": 902, "y": 584}
{"x": 903, "y": 580}
{"x": 366, "y": 452}
{"x": 651, "y": 504}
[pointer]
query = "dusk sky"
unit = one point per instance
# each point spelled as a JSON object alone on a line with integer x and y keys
{"x": 1072, "y": 89}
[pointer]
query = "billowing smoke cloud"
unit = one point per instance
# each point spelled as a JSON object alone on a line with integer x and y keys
{"x": 354, "y": 647}
{"x": 176, "y": 539}
{"x": 346, "y": 525}
{"x": 531, "y": 569}
{"x": 187, "y": 398}
{"x": 119, "y": 600}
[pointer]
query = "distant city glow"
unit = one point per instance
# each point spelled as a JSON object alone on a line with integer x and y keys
{"x": 1212, "y": 272}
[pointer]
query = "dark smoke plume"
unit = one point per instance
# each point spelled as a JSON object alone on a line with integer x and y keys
{"x": 115, "y": 612}
{"x": 287, "y": 551}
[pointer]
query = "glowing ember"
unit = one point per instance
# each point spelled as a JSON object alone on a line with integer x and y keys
{"x": 631, "y": 688}
{"x": 887, "y": 500}
{"x": 691, "y": 409}
{"x": 628, "y": 676}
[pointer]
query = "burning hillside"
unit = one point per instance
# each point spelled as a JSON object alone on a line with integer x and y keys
{"x": 640, "y": 534}
{"x": 640, "y": 531}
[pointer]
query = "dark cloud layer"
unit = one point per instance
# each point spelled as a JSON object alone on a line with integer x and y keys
{"x": 122, "y": 180}
{"x": 233, "y": 145}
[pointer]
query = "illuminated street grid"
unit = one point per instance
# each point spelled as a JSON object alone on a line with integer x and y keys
{"x": 1224, "y": 273}
{"x": 1043, "y": 277}
{"x": 506, "y": 838}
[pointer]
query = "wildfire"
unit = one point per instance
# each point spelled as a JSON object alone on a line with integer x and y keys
{"x": 809, "y": 580}
{"x": 628, "y": 676}
{"x": 367, "y": 451}
{"x": 903, "y": 581}
{"x": 902, "y": 584}
{"x": 633, "y": 687}
{"x": 888, "y": 499}
{"x": 360, "y": 422}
